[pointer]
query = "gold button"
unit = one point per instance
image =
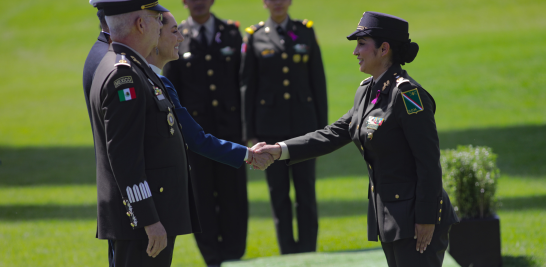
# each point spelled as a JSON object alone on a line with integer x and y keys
{"x": 441, "y": 202}
{"x": 210, "y": 72}
{"x": 358, "y": 126}
{"x": 369, "y": 165}
{"x": 439, "y": 219}
{"x": 133, "y": 225}
{"x": 286, "y": 82}
{"x": 309, "y": 99}
{"x": 361, "y": 148}
{"x": 228, "y": 59}
{"x": 188, "y": 64}
{"x": 286, "y": 96}
{"x": 233, "y": 108}
{"x": 262, "y": 102}
{"x": 285, "y": 69}
{"x": 214, "y": 103}
{"x": 212, "y": 87}
{"x": 440, "y": 210}
{"x": 397, "y": 196}
{"x": 284, "y": 55}
{"x": 124, "y": 203}
{"x": 373, "y": 189}
{"x": 161, "y": 190}
{"x": 194, "y": 113}
{"x": 208, "y": 57}
{"x": 129, "y": 214}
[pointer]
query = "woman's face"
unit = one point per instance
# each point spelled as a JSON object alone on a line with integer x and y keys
{"x": 169, "y": 39}
{"x": 369, "y": 57}
{"x": 277, "y": 8}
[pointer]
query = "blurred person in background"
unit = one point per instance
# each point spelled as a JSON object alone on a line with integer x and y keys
{"x": 392, "y": 124}
{"x": 283, "y": 88}
{"x": 207, "y": 80}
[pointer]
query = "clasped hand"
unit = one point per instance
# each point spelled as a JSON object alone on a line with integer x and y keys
{"x": 261, "y": 155}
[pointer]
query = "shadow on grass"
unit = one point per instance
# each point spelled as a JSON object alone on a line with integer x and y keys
{"x": 520, "y": 149}
{"x": 523, "y": 203}
{"x": 47, "y": 212}
{"x": 262, "y": 209}
{"x": 518, "y": 261}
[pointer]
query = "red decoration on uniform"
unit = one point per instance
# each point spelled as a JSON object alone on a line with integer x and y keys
{"x": 243, "y": 48}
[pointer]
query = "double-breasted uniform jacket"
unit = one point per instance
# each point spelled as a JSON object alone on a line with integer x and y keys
{"x": 283, "y": 84}
{"x": 393, "y": 127}
{"x": 207, "y": 79}
{"x": 142, "y": 171}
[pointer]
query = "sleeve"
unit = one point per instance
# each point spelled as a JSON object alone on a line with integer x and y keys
{"x": 124, "y": 111}
{"x": 317, "y": 80}
{"x": 171, "y": 91}
{"x": 320, "y": 142}
{"x": 207, "y": 145}
{"x": 172, "y": 72}
{"x": 422, "y": 137}
{"x": 249, "y": 85}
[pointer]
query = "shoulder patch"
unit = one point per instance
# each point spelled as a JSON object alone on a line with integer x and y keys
{"x": 412, "y": 101}
{"x": 123, "y": 80}
{"x": 121, "y": 60}
{"x": 366, "y": 81}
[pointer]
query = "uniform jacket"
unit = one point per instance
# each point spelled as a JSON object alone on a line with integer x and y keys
{"x": 283, "y": 84}
{"x": 92, "y": 61}
{"x": 198, "y": 141}
{"x": 399, "y": 144}
{"x": 142, "y": 170}
{"x": 207, "y": 79}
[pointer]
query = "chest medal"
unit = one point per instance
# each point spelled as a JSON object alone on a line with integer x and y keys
{"x": 374, "y": 123}
{"x": 158, "y": 93}
{"x": 170, "y": 120}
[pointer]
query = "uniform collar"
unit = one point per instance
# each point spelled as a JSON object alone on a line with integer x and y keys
{"x": 138, "y": 54}
{"x": 195, "y": 27}
{"x": 155, "y": 69}
{"x": 283, "y": 24}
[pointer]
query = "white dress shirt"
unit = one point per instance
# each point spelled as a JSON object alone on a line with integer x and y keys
{"x": 209, "y": 28}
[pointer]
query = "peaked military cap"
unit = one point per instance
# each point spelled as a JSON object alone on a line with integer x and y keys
{"x": 116, "y": 7}
{"x": 376, "y": 24}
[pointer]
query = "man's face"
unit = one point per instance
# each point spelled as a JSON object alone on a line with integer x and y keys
{"x": 198, "y": 8}
{"x": 152, "y": 20}
{"x": 277, "y": 8}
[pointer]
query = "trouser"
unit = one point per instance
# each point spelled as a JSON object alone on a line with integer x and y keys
{"x": 222, "y": 205}
{"x": 303, "y": 177}
{"x": 403, "y": 253}
{"x": 132, "y": 253}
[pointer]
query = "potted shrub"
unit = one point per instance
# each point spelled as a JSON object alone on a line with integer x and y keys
{"x": 470, "y": 178}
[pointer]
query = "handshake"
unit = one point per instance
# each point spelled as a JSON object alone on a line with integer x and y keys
{"x": 261, "y": 155}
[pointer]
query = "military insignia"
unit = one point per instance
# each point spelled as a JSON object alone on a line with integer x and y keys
{"x": 126, "y": 94}
{"x": 122, "y": 61}
{"x": 300, "y": 48}
{"x": 227, "y": 51}
{"x": 284, "y": 55}
{"x": 296, "y": 58}
{"x": 268, "y": 53}
{"x": 307, "y": 23}
{"x": 217, "y": 37}
{"x": 267, "y": 29}
{"x": 305, "y": 58}
{"x": 370, "y": 136}
{"x": 170, "y": 119}
{"x": 158, "y": 93}
{"x": 374, "y": 122}
{"x": 412, "y": 101}
{"x": 123, "y": 80}
{"x": 172, "y": 131}
{"x": 261, "y": 23}
{"x": 387, "y": 83}
{"x": 135, "y": 60}
{"x": 186, "y": 55}
{"x": 293, "y": 36}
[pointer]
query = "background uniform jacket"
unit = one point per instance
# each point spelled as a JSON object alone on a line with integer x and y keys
{"x": 283, "y": 83}
{"x": 207, "y": 79}
{"x": 400, "y": 145}
{"x": 142, "y": 170}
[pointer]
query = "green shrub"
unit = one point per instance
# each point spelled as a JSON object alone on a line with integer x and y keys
{"x": 470, "y": 176}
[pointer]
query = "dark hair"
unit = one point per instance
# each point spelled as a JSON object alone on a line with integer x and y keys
{"x": 103, "y": 24}
{"x": 402, "y": 52}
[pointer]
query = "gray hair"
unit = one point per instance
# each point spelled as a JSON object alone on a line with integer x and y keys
{"x": 121, "y": 25}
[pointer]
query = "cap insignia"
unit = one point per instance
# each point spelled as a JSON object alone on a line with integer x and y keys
{"x": 150, "y": 5}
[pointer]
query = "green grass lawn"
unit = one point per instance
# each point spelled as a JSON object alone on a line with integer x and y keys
{"x": 482, "y": 61}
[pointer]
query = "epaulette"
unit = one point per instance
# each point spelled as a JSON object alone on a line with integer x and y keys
{"x": 253, "y": 28}
{"x": 307, "y": 23}
{"x": 366, "y": 81}
{"x": 121, "y": 60}
{"x": 402, "y": 81}
{"x": 233, "y": 22}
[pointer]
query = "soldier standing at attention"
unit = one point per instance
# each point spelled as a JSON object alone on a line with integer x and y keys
{"x": 283, "y": 87}
{"x": 207, "y": 80}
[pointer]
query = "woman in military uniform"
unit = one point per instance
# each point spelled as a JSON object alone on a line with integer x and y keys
{"x": 284, "y": 96}
{"x": 392, "y": 125}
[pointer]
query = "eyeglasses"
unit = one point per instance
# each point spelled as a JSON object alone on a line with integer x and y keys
{"x": 158, "y": 17}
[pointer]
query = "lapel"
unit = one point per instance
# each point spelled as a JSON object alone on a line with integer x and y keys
{"x": 214, "y": 45}
{"x": 273, "y": 35}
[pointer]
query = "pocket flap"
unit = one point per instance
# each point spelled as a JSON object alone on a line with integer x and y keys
{"x": 397, "y": 192}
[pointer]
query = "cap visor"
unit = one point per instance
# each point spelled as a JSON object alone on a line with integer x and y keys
{"x": 356, "y": 34}
{"x": 158, "y": 8}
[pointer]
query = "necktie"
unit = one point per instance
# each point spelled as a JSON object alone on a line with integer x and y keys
{"x": 203, "y": 37}
{"x": 280, "y": 31}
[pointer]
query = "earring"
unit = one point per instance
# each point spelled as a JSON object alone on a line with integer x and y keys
{"x": 157, "y": 51}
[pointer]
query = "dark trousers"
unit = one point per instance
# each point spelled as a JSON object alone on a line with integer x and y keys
{"x": 303, "y": 177}
{"x": 132, "y": 253}
{"x": 222, "y": 205}
{"x": 402, "y": 253}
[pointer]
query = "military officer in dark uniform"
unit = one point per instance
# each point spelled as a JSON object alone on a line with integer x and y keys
{"x": 392, "y": 125}
{"x": 145, "y": 196}
{"x": 284, "y": 95}
{"x": 207, "y": 80}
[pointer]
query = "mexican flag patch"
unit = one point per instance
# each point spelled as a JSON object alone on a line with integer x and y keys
{"x": 412, "y": 101}
{"x": 126, "y": 94}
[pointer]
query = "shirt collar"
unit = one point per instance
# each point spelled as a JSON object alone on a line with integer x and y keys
{"x": 283, "y": 23}
{"x": 138, "y": 54}
{"x": 155, "y": 69}
{"x": 209, "y": 24}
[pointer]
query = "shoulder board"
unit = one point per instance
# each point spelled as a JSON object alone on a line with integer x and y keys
{"x": 307, "y": 23}
{"x": 233, "y": 22}
{"x": 401, "y": 81}
{"x": 253, "y": 28}
{"x": 121, "y": 60}
{"x": 366, "y": 81}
